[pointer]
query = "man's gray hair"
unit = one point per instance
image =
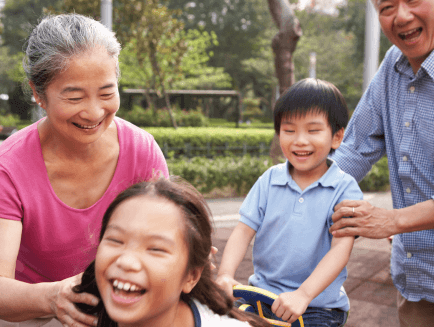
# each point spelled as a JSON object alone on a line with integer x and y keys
{"x": 56, "y": 39}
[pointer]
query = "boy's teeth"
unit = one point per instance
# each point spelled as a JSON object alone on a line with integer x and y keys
{"x": 115, "y": 283}
{"x": 121, "y": 285}
{"x": 127, "y": 286}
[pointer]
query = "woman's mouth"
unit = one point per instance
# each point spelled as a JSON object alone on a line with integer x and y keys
{"x": 87, "y": 126}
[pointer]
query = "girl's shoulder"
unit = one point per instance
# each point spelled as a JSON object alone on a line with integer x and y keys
{"x": 208, "y": 318}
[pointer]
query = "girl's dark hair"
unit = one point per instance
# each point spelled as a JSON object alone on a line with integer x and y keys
{"x": 198, "y": 232}
{"x": 311, "y": 95}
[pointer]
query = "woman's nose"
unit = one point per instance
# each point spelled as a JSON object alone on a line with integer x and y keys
{"x": 93, "y": 112}
{"x": 128, "y": 262}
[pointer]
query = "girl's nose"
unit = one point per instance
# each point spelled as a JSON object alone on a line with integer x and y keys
{"x": 128, "y": 262}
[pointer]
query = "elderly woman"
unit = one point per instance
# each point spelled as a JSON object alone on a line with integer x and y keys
{"x": 58, "y": 176}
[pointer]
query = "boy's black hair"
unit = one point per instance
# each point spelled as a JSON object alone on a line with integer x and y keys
{"x": 311, "y": 95}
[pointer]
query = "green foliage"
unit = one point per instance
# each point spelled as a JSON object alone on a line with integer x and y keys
{"x": 251, "y": 109}
{"x": 215, "y": 136}
{"x": 241, "y": 173}
{"x": 192, "y": 73}
{"x": 9, "y": 120}
{"x": 378, "y": 177}
{"x": 160, "y": 118}
{"x": 209, "y": 174}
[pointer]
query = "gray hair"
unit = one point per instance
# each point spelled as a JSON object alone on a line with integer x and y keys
{"x": 56, "y": 39}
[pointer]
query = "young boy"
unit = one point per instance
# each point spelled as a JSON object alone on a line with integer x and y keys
{"x": 289, "y": 210}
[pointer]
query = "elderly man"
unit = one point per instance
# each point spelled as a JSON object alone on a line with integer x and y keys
{"x": 396, "y": 117}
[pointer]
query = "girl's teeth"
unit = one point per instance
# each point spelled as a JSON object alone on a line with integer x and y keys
{"x": 127, "y": 286}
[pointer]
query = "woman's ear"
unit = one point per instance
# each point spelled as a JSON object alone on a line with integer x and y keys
{"x": 337, "y": 138}
{"x": 35, "y": 94}
{"x": 192, "y": 279}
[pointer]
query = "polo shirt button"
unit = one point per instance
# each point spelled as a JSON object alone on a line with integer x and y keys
{"x": 408, "y": 255}
{"x": 404, "y": 158}
{"x": 408, "y": 190}
{"x": 407, "y": 124}
{"x": 412, "y": 88}
{"x": 301, "y": 200}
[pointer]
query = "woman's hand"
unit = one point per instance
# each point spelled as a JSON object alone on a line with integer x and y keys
{"x": 290, "y": 305}
{"x": 62, "y": 303}
{"x": 355, "y": 217}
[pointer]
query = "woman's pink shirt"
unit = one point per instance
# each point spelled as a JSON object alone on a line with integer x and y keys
{"x": 59, "y": 241}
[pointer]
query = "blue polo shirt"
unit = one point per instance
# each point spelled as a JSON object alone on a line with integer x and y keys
{"x": 292, "y": 230}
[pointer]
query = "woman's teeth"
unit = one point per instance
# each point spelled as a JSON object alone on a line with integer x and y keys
{"x": 86, "y": 126}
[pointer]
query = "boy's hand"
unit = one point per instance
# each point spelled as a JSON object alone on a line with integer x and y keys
{"x": 291, "y": 305}
{"x": 227, "y": 283}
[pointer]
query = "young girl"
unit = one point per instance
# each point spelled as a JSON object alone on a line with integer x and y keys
{"x": 152, "y": 265}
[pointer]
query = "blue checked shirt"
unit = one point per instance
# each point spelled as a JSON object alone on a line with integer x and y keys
{"x": 396, "y": 117}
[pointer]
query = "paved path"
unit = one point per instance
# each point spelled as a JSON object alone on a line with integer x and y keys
{"x": 369, "y": 286}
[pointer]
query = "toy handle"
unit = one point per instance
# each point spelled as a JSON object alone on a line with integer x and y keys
{"x": 255, "y": 298}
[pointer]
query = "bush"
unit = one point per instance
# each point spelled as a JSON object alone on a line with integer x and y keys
{"x": 210, "y": 174}
{"x": 240, "y": 173}
{"x": 9, "y": 120}
{"x": 378, "y": 177}
{"x": 161, "y": 118}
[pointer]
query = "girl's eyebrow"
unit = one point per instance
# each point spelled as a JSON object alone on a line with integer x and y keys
{"x": 149, "y": 236}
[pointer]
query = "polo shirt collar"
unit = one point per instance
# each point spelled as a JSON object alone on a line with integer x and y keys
{"x": 329, "y": 179}
{"x": 403, "y": 66}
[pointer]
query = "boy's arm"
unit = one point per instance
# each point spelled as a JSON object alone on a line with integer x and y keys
{"x": 289, "y": 306}
{"x": 234, "y": 252}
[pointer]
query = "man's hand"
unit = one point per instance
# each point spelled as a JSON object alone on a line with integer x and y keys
{"x": 291, "y": 305}
{"x": 355, "y": 217}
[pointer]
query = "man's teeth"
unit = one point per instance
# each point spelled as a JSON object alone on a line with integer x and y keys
{"x": 125, "y": 286}
{"x": 405, "y": 34}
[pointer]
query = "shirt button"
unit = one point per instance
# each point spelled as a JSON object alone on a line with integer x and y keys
{"x": 301, "y": 200}
{"x": 412, "y": 88}
{"x": 408, "y": 255}
{"x": 408, "y": 190}
{"x": 404, "y": 158}
{"x": 407, "y": 124}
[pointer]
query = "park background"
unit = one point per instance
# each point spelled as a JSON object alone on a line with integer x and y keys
{"x": 200, "y": 76}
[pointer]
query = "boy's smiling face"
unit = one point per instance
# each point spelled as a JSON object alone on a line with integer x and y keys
{"x": 306, "y": 142}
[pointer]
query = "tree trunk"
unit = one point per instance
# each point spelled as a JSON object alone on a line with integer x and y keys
{"x": 283, "y": 44}
{"x": 157, "y": 72}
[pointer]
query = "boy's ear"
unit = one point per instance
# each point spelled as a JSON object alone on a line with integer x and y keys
{"x": 192, "y": 279}
{"x": 337, "y": 138}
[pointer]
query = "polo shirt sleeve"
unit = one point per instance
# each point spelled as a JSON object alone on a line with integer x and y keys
{"x": 364, "y": 142}
{"x": 253, "y": 209}
{"x": 350, "y": 191}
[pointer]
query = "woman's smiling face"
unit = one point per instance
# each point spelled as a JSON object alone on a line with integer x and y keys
{"x": 141, "y": 263}
{"x": 82, "y": 100}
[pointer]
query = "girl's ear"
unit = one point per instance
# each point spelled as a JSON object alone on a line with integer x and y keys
{"x": 192, "y": 279}
{"x": 337, "y": 138}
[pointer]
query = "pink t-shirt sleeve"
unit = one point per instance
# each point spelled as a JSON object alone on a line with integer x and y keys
{"x": 10, "y": 204}
{"x": 59, "y": 241}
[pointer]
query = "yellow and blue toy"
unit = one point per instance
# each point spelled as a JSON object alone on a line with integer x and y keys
{"x": 259, "y": 301}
